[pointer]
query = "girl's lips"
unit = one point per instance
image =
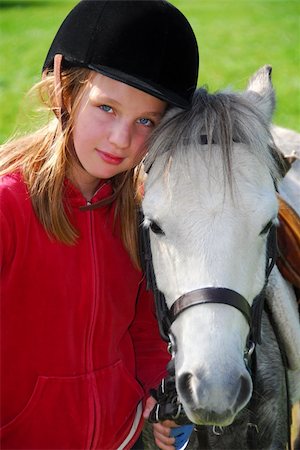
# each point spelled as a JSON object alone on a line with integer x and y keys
{"x": 109, "y": 158}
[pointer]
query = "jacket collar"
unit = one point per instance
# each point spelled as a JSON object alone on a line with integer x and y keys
{"x": 75, "y": 198}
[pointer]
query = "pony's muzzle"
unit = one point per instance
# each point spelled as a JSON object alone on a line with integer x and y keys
{"x": 214, "y": 403}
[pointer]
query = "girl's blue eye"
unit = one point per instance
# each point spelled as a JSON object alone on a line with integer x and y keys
{"x": 146, "y": 122}
{"x": 105, "y": 108}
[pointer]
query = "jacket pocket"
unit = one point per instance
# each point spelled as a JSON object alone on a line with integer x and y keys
{"x": 56, "y": 416}
{"x": 119, "y": 396}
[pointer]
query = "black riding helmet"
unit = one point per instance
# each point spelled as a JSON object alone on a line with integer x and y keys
{"x": 147, "y": 44}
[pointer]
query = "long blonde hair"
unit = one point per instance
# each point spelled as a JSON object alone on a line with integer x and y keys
{"x": 44, "y": 156}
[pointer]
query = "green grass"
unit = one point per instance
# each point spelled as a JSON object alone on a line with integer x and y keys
{"x": 235, "y": 39}
{"x": 26, "y": 31}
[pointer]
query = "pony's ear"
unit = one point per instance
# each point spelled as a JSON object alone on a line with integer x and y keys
{"x": 260, "y": 91}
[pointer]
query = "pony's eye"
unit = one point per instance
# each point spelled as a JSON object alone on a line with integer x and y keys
{"x": 266, "y": 228}
{"x": 156, "y": 228}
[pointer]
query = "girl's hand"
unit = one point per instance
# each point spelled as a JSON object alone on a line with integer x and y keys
{"x": 162, "y": 430}
{"x": 161, "y": 433}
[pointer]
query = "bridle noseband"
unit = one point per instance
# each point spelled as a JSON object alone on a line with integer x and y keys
{"x": 210, "y": 295}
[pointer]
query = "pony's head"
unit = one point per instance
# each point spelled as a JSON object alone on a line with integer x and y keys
{"x": 210, "y": 201}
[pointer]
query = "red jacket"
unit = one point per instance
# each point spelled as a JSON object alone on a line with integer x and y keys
{"x": 80, "y": 342}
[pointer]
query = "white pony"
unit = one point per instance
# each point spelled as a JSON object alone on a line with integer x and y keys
{"x": 210, "y": 203}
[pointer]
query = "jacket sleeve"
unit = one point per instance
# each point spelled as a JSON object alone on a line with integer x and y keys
{"x": 151, "y": 352}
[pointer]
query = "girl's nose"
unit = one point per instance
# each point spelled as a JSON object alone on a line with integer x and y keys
{"x": 120, "y": 135}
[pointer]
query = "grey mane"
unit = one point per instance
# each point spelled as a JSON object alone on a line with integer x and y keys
{"x": 222, "y": 118}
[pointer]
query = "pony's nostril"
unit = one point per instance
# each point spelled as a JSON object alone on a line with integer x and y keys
{"x": 184, "y": 385}
{"x": 245, "y": 390}
{"x": 184, "y": 380}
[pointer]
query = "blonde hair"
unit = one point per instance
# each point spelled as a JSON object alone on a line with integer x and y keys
{"x": 44, "y": 157}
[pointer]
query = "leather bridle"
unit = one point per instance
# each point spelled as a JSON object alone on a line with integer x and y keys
{"x": 213, "y": 295}
{"x": 207, "y": 295}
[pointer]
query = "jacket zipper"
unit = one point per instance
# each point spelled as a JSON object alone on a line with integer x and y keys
{"x": 95, "y": 411}
{"x": 94, "y": 430}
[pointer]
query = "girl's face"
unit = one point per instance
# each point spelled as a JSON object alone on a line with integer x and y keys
{"x": 111, "y": 126}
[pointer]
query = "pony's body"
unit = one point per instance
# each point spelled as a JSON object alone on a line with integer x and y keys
{"x": 210, "y": 201}
{"x": 288, "y": 142}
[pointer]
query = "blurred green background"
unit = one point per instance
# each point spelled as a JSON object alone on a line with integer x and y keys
{"x": 235, "y": 38}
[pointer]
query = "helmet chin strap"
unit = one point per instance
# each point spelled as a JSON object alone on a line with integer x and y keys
{"x": 57, "y": 84}
{"x": 59, "y": 107}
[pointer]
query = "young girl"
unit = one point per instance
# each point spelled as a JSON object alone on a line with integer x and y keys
{"x": 80, "y": 342}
